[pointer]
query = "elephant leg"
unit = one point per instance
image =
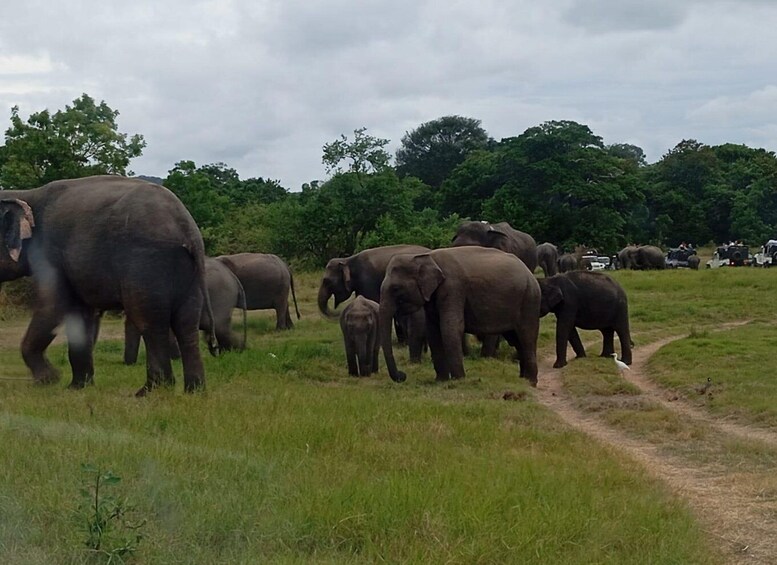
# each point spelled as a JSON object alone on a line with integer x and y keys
{"x": 80, "y": 330}
{"x": 159, "y": 371}
{"x": 624, "y": 336}
{"x": 416, "y": 326}
{"x": 131, "y": 342}
{"x": 433, "y": 335}
{"x": 186, "y": 321}
{"x": 577, "y": 343}
{"x": 490, "y": 345}
{"x": 563, "y": 335}
{"x": 608, "y": 342}
{"x": 175, "y": 352}
{"x": 375, "y": 352}
{"x": 350, "y": 357}
{"x": 39, "y": 334}
{"x": 400, "y": 323}
{"x": 527, "y": 332}
{"x": 451, "y": 330}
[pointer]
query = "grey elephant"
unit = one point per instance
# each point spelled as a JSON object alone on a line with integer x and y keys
{"x": 567, "y": 262}
{"x": 225, "y": 292}
{"x": 359, "y": 323}
{"x": 590, "y": 301}
{"x": 362, "y": 274}
{"x": 463, "y": 289}
{"x": 641, "y": 257}
{"x": 547, "y": 258}
{"x": 693, "y": 262}
{"x": 266, "y": 279}
{"x": 499, "y": 236}
{"x": 107, "y": 243}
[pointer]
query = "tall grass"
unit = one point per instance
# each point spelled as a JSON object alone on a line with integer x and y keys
{"x": 287, "y": 459}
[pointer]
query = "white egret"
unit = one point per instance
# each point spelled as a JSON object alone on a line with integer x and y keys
{"x": 620, "y": 364}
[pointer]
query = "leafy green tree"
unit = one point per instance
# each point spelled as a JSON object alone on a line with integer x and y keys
{"x": 81, "y": 140}
{"x": 365, "y": 154}
{"x": 555, "y": 181}
{"x": 432, "y": 150}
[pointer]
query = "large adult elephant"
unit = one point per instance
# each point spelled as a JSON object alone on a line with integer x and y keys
{"x": 225, "y": 292}
{"x": 590, "y": 301}
{"x": 547, "y": 258}
{"x": 362, "y": 274}
{"x": 267, "y": 280}
{"x": 106, "y": 243}
{"x": 463, "y": 289}
{"x": 499, "y": 236}
{"x": 641, "y": 257}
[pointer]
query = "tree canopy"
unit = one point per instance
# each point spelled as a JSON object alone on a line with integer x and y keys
{"x": 81, "y": 140}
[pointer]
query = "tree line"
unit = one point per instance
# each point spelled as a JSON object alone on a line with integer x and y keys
{"x": 557, "y": 181}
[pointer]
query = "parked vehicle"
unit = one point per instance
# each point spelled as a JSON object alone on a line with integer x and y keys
{"x": 592, "y": 261}
{"x": 767, "y": 256}
{"x": 730, "y": 256}
{"x": 677, "y": 258}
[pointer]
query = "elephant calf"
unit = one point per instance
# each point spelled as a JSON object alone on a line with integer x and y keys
{"x": 359, "y": 323}
{"x": 590, "y": 301}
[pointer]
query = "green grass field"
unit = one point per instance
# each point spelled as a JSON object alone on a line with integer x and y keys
{"x": 286, "y": 459}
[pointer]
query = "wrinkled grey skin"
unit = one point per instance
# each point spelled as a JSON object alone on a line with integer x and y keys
{"x": 641, "y": 257}
{"x": 693, "y": 262}
{"x": 225, "y": 292}
{"x": 359, "y": 324}
{"x": 462, "y": 289}
{"x": 567, "y": 262}
{"x": 499, "y": 236}
{"x": 266, "y": 279}
{"x": 106, "y": 243}
{"x": 547, "y": 258}
{"x": 362, "y": 274}
{"x": 590, "y": 301}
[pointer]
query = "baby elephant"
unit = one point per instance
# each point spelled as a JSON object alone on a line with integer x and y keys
{"x": 590, "y": 301}
{"x": 359, "y": 322}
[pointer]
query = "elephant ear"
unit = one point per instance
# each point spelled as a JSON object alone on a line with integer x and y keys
{"x": 345, "y": 270}
{"x": 16, "y": 224}
{"x": 430, "y": 276}
{"x": 496, "y": 238}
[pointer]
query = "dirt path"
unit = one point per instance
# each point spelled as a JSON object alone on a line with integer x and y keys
{"x": 742, "y": 523}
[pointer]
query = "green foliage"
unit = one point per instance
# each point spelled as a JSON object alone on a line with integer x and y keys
{"x": 79, "y": 141}
{"x": 365, "y": 153}
{"x": 432, "y": 150}
{"x": 105, "y": 517}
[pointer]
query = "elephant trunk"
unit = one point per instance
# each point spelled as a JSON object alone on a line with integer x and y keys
{"x": 362, "y": 356}
{"x": 323, "y": 302}
{"x": 387, "y": 311}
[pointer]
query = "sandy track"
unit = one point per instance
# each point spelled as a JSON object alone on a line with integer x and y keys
{"x": 742, "y": 525}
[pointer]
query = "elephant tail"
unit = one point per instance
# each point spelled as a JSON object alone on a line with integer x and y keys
{"x": 293, "y": 294}
{"x": 199, "y": 261}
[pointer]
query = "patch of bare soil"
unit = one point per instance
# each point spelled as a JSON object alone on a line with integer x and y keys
{"x": 742, "y": 523}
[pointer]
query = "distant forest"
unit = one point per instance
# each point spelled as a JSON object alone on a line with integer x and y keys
{"x": 557, "y": 181}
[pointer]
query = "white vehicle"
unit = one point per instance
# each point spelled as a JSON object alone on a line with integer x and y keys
{"x": 595, "y": 262}
{"x": 767, "y": 256}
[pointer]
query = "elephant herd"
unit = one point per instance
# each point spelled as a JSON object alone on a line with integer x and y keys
{"x": 484, "y": 285}
{"x": 109, "y": 243}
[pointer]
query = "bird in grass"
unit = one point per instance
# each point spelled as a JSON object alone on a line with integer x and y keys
{"x": 702, "y": 389}
{"x": 620, "y": 364}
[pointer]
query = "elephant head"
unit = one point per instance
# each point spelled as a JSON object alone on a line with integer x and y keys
{"x": 410, "y": 282}
{"x": 483, "y": 234}
{"x": 552, "y": 296}
{"x": 16, "y": 224}
{"x": 337, "y": 282}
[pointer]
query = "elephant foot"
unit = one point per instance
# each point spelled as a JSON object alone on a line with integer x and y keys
{"x": 532, "y": 382}
{"x": 559, "y": 364}
{"x": 78, "y": 384}
{"x": 194, "y": 385}
{"x": 143, "y": 391}
{"x": 47, "y": 376}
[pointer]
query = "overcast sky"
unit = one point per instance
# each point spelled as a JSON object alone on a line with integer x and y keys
{"x": 261, "y": 85}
